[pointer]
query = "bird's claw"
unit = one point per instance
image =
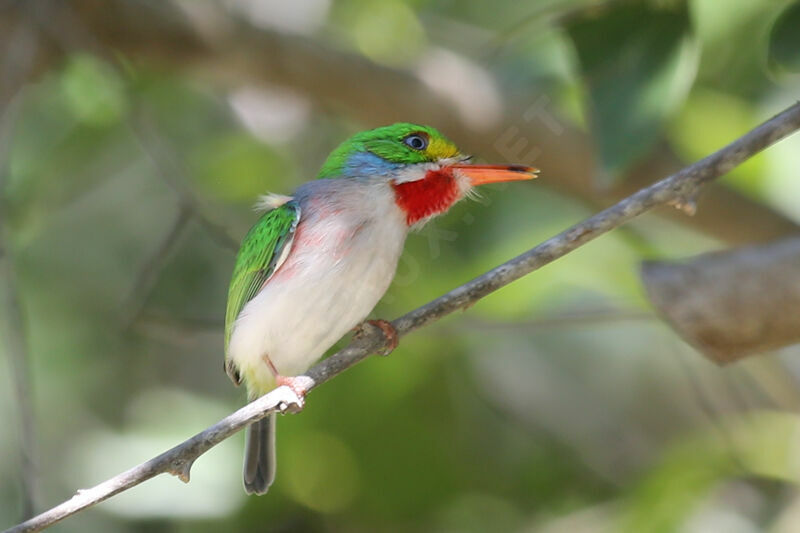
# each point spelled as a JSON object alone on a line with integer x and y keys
{"x": 291, "y": 407}
{"x": 299, "y": 386}
{"x": 389, "y": 333}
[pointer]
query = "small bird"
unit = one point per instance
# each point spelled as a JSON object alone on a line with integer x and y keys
{"x": 316, "y": 263}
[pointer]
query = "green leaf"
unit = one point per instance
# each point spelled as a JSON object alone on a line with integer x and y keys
{"x": 94, "y": 93}
{"x": 638, "y": 63}
{"x": 235, "y": 167}
{"x": 784, "y": 39}
{"x": 387, "y": 32}
{"x": 706, "y": 122}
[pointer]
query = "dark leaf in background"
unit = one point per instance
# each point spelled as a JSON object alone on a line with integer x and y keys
{"x": 784, "y": 39}
{"x": 637, "y": 62}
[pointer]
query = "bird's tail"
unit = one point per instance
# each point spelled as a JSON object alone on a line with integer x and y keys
{"x": 259, "y": 456}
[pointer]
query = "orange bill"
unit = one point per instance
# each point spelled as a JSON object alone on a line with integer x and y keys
{"x": 481, "y": 174}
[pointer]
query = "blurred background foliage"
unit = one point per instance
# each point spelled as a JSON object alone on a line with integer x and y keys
{"x": 559, "y": 404}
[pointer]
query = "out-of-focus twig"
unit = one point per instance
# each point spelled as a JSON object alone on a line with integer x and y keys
{"x": 566, "y": 320}
{"x": 13, "y": 328}
{"x": 14, "y": 334}
{"x": 676, "y": 188}
{"x": 174, "y": 175}
{"x": 176, "y": 331}
{"x": 190, "y": 208}
{"x": 148, "y": 273}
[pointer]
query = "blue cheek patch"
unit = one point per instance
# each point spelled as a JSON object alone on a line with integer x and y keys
{"x": 368, "y": 164}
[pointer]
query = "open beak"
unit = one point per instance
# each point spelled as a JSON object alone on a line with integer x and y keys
{"x": 482, "y": 174}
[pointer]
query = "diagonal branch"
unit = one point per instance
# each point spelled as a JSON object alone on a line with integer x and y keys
{"x": 677, "y": 189}
{"x": 147, "y": 277}
{"x": 175, "y": 176}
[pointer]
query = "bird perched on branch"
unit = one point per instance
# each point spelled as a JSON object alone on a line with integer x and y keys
{"x": 316, "y": 263}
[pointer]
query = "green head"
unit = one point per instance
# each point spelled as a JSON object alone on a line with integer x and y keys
{"x": 385, "y": 150}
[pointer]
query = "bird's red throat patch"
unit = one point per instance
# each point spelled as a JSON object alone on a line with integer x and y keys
{"x": 431, "y": 195}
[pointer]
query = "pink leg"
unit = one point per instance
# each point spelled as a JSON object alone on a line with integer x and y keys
{"x": 298, "y": 384}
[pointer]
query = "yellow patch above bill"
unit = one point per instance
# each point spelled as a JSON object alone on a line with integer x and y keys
{"x": 441, "y": 148}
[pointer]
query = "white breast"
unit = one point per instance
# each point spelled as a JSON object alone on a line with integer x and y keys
{"x": 343, "y": 259}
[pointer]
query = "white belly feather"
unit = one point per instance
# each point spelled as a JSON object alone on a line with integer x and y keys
{"x": 341, "y": 262}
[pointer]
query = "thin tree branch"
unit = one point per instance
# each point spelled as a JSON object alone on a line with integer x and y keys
{"x": 676, "y": 189}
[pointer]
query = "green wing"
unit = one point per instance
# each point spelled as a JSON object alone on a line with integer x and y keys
{"x": 259, "y": 256}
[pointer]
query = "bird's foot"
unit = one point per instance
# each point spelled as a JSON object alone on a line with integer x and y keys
{"x": 389, "y": 333}
{"x": 300, "y": 386}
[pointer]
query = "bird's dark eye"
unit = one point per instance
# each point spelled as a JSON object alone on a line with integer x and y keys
{"x": 416, "y": 141}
